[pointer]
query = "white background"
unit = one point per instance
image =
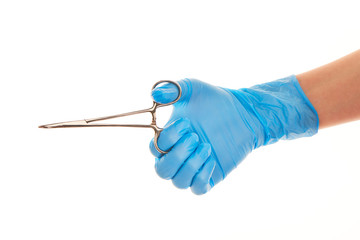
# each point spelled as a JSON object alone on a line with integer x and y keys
{"x": 68, "y": 60}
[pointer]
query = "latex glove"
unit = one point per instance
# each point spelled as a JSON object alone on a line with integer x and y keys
{"x": 212, "y": 129}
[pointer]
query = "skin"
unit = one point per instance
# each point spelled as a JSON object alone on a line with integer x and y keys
{"x": 334, "y": 90}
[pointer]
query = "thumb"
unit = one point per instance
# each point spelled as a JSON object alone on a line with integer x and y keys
{"x": 169, "y": 92}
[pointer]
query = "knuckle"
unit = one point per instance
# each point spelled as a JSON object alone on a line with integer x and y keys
{"x": 160, "y": 170}
{"x": 202, "y": 180}
{"x": 200, "y": 185}
{"x": 198, "y": 190}
{"x": 191, "y": 167}
{"x": 182, "y": 126}
{"x": 166, "y": 167}
{"x": 179, "y": 184}
{"x": 205, "y": 151}
{"x": 161, "y": 173}
{"x": 191, "y": 141}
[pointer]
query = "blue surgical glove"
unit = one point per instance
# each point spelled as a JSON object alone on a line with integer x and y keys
{"x": 212, "y": 129}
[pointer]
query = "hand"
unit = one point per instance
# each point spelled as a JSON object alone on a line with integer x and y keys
{"x": 212, "y": 129}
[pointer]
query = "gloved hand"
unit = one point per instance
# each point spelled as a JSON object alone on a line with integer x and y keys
{"x": 212, "y": 129}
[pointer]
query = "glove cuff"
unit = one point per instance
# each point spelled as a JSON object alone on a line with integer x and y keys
{"x": 283, "y": 110}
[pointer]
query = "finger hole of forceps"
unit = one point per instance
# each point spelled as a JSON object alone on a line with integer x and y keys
{"x": 156, "y": 104}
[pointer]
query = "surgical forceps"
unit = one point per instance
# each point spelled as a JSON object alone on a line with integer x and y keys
{"x": 152, "y": 110}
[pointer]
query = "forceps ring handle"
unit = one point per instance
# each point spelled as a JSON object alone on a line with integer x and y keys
{"x": 156, "y": 105}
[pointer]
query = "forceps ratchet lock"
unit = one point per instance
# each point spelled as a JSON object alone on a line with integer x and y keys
{"x": 152, "y": 110}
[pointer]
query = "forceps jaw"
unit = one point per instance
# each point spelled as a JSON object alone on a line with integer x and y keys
{"x": 65, "y": 124}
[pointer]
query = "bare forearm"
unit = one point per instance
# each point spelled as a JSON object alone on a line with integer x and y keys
{"x": 334, "y": 90}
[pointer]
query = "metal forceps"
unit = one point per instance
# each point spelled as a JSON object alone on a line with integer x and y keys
{"x": 152, "y": 110}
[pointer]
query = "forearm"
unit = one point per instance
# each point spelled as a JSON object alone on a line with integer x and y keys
{"x": 334, "y": 90}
